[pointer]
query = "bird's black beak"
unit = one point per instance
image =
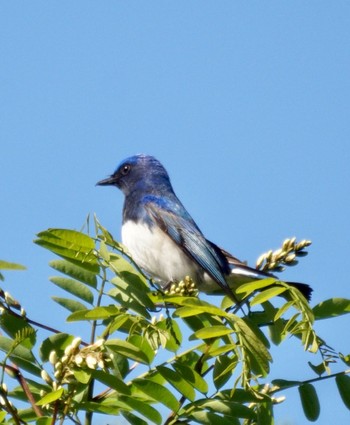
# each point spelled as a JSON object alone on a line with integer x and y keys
{"x": 109, "y": 181}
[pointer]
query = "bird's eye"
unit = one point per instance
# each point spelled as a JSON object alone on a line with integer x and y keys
{"x": 125, "y": 170}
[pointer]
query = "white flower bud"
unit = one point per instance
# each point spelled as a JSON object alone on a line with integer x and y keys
{"x": 58, "y": 366}
{"x": 53, "y": 357}
{"x": 46, "y": 377}
{"x": 68, "y": 350}
{"x": 78, "y": 359}
{"x": 91, "y": 361}
{"x": 9, "y": 299}
{"x": 99, "y": 343}
{"x": 76, "y": 342}
{"x": 279, "y": 399}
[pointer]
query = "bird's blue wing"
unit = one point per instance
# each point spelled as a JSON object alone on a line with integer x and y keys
{"x": 175, "y": 221}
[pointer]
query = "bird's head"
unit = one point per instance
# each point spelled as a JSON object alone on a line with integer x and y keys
{"x": 142, "y": 172}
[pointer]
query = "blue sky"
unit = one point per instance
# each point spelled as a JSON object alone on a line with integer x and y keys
{"x": 245, "y": 103}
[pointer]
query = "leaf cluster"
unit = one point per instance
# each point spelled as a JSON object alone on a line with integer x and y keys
{"x": 154, "y": 357}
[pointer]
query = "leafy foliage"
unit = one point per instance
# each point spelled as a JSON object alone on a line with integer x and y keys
{"x": 136, "y": 363}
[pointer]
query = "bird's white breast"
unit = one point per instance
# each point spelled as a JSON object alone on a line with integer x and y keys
{"x": 155, "y": 252}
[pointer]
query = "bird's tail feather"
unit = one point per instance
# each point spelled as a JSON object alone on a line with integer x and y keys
{"x": 305, "y": 289}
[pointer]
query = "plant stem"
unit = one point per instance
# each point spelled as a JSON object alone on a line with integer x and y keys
{"x": 310, "y": 381}
{"x": 90, "y": 393}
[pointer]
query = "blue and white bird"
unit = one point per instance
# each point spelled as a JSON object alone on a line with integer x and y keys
{"x": 165, "y": 241}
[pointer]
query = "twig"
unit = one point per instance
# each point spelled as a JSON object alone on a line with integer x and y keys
{"x": 14, "y": 371}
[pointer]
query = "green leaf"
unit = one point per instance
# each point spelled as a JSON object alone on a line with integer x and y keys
{"x": 71, "y": 239}
{"x": 50, "y": 397}
{"x": 5, "y": 265}
{"x": 223, "y": 369}
{"x": 217, "y": 351}
{"x": 267, "y": 294}
{"x": 135, "y": 279}
{"x": 208, "y": 418}
{"x": 57, "y": 342}
{"x": 226, "y": 408}
{"x": 2, "y": 415}
{"x": 144, "y": 346}
{"x": 128, "y": 350}
{"x": 44, "y": 420}
{"x": 120, "y": 265}
{"x": 240, "y": 395}
{"x": 265, "y": 413}
{"x": 132, "y": 285}
{"x": 75, "y": 272}
{"x": 191, "y": 376}
{"x": 26, "y": 337}
{"x": 74, "y": 246}
{"x": 345, "y": 358}
{"x": 34, "y": 387}
{"x": 139, "y": 406}
{"x": 109, "y": 406}
{"x": 157, "y": 392}
{"x": 103, "y": 251}
{"x": 343, "y": 384}
{"x": 319, "y": 369}
{"x": 174, "y": 333}
{"x": 276, "y": 331}
{"x": 82, "y": 375}
{"x": 290, "y": 323}
{"x": 14, "y": 325}
{"x": 118, "y": 322}
{"x": 309, "y": 401}
{"x": 111, "y": 381}
{"x": 20, "y": 355}
{"x": 74, "y": 287}
{"x": 177, "y": 382}
{"x": 119, "y": 364}
{"x": 255, "y": 343}
{"x": 331, "y": 308}
{"x": 97, "y": 313}
{"x": 193, "y": 306}
{"x": 282, "y": 310}
{"x": 70, "y": 305}
{"x": 133, "y": 419}
{"x": 250, "y": 287}
{"x": 212, "y": 332}
{"x": 130, "y": 299}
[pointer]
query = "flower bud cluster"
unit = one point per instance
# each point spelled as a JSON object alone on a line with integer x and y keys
{"x": 156, "y": 319}
{"x": 9, "y": 300}
{"x": 284, "y": 256}
{"x": 92, "y": 356}
{"x": 62, "y": 366}
{"x": 186, "y": 288}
